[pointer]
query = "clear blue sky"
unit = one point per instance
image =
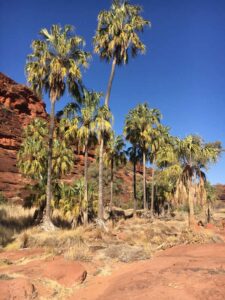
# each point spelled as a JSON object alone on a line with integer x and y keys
{"x": 182, "y": 73}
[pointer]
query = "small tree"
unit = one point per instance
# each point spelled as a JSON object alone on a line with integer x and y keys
{"x": 32, "y": 159}
{"x": 194, "y": 156}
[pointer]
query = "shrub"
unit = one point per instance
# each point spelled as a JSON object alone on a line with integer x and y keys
{"x": 3, "y": 200}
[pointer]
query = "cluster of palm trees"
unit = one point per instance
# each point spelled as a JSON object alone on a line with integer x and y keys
{"x": 57, "y": 58}
{"x": 55, "y": 66}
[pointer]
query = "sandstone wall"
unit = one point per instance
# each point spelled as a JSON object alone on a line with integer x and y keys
{"x": 18, "y": 105}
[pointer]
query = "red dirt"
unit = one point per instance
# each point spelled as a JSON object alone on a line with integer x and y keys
{"x": 21, "y": 254}
{"x": 27, "y": 278}
{"x": 183, "y": 272}
{"x": 16, "y": 289}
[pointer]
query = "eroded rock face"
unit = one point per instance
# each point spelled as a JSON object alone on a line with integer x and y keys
{"x": 20, "y": 99}
{"x": 18, "y": 105}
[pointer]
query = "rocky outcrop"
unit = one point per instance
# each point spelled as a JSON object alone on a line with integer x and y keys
{"x": 18, "y": 105}
{"x": 20, "y": 99}
{"x": 220, "y": 191}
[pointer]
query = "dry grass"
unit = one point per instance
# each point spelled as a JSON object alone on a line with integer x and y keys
{"x": 129, "y": 240}
{"x": 70, "y": 243}
{"x": 79, "y": 252}
{"x": 126, "y": 253}
{"x": 58, "y": 240}
{"x": 6, "y": 236}
{"x": 13, "y": 219}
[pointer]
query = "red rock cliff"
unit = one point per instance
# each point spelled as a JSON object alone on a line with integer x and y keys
{"x": 18, "y": 105}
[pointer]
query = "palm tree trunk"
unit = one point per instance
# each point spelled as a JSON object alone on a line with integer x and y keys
{"x": 100, "y": 200}
{"x": 191, "y": 218}
{"x": 144, "y": 182}
{"x": 134, "y": 188}
{"x": 111, "y": 186}
{"x": 152, "y": 193}
{"x": 110, "y": 82}
{"x": 85, "y": 185}
{"x": 47, "y": 220}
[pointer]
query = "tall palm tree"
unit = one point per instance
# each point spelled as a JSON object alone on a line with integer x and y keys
{"x": 159, "y": 137}
{"x": 132, "y": 135}
{"x": 116, "y": 33}
{"x": 143, "y": 122}
{"x": 86, "y": 136}
{"x": 134, "y": 156}
{"x": 103, "y": 129}
{"x": 54, "y": 66}
{"x": 114, "y": 156}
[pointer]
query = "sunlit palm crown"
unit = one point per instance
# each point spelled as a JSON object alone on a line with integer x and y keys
{"x": 167, "y": 154}
{"x": 103, "y": 123}
{"x": 115, "y": 150}
{"x": 140, "y": 125}
{"x": 87, "y": 117}
{"x": 193, "y": 150}
{"x": 117, "y": 31}
{"x": 32, "y": 156}
{"x": 56, "y": 61}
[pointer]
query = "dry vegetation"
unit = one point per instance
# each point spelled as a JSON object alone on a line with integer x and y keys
{"x": 130, "y": 240}
{"x": 13, "y": 219}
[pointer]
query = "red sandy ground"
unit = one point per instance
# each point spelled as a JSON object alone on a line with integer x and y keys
{"x": 180, "y": 273}
{"x": 183, "y": 272}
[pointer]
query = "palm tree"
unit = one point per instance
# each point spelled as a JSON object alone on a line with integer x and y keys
{"x": 117, "y": 32}
{"x": 143, "y": 122}
{"x": 134, "y": 156}
{"x": 131, "y": 134}
{"x": 114, "y": 156}
{"x": 54, "y": 66}
{"x": 86, "y": 136}
{"x": 159, "y": 137}
{"x": 103, "y": 129}
{"x": 32, "y": 159}
{"x": 170, "y": 170}
{"x": 195, "y": 155}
